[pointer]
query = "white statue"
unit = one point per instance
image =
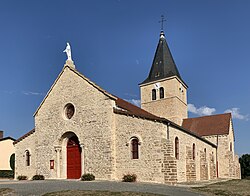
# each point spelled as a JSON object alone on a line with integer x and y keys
{"x": 68, "y": 51}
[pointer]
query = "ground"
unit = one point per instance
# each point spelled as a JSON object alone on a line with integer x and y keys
{"x": 104, "y": 188}
{"x": 232, "y": 188}
{"x": 28, "y": 188}
{"x": 99, "y": 193}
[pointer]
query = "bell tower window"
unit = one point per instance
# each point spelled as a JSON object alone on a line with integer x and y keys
{"x": 161, "y": 93}
{"x": 153, "y": 94}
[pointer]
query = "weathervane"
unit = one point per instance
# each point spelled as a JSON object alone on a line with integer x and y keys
{"x": 162, "y": 21}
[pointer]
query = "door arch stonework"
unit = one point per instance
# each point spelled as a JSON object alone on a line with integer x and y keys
{"x": 71, "y": 149}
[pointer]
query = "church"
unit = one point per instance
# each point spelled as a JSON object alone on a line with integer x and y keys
{"x": 81, "y": 128}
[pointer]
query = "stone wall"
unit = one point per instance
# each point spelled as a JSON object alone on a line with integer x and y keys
{"x": 169, "y": 163}
{"x": 174, "y": 104}
{"x": 213, "y": 173}
{"x": 187, "y": 168}
{"x": 149, "y": 166}
{"x": 92, "y": 123}
{"x": 227, "y": 163}
{"x": 203, "y": 166}
{"x": 190, "y": 165}
{"x": 29, "y": 143}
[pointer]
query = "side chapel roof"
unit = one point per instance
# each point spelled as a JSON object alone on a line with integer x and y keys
{"x": 24, "y": 136}
{"x": 208, "y": 125}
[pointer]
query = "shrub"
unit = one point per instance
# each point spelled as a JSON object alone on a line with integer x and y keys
{"x": 21, "y": 177}
{"x": 245, "y": 165}
{"x": 38, "y": 177}
{"x": 12, "y": 161}
{"x": 6, "y": 174}
{"x": 87, "y": 177}
{"x": 129, "y": 178}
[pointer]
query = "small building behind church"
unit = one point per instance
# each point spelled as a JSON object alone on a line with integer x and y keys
{"x": 6, "y": 150}
{"x": 81, "y": 128}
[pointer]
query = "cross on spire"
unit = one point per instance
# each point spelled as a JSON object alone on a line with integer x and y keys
{"x": 162, "y": 21}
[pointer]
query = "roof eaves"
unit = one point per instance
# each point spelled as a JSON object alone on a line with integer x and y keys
{"x": 24, "y": 136}
{"x": 7, "y": 138}
{"x": 79, "y": 74}
{"x": 165, "y": 121}
{"x": 93, "y": 84}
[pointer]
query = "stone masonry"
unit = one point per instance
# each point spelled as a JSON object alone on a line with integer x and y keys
{"x": 106, "y": 127}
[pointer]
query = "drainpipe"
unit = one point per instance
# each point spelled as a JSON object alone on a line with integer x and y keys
{"x": 217, "y": 166}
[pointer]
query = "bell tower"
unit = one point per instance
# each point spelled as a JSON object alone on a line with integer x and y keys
{"x": 164, "y": 93}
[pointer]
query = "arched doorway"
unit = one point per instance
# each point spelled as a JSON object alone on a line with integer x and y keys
{"x": 73, "y": 158}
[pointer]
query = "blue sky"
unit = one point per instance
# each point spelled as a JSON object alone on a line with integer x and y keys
{"x": 113, "y": 43}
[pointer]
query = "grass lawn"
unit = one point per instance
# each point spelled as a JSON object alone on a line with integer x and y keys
{"x": 98, "y": 193}
{"x": 232, "y": 188}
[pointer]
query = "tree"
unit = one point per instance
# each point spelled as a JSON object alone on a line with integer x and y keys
{"x": 12, "y": 162}
{"x": 245, "y": 165}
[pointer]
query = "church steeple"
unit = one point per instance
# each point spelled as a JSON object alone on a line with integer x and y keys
{"x": 164, "y": 93}
{"x": 163, "y": 65}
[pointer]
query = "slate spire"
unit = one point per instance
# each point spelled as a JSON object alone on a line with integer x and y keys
{"x": 163, "y": 65}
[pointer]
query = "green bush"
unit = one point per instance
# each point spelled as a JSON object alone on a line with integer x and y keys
{"x": 21, "y": 177}
{"x": 6, "y": 174}
{"x": 38, "y": 177}
{"x": 87, "y": 177}
{"x": 129, "y": 178}
{"x": 245, "y": 165}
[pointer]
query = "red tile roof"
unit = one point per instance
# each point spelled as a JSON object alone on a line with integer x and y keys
{"x": 208, "y": 125}
{"x": 24, "y": 136}
{"x": 134, "y": 110}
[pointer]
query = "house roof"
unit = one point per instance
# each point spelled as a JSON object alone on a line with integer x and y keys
{"x": 163, "y": 65}
{"x": 208, "y": 125}
{"x": 24, "y": 136}
{"x": 7, "y": 138}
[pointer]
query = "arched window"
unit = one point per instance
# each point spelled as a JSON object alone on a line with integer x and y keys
{"x": 153, "y": 94}
{"x": 161, "y": 93}
{"x": 27, "y": 158}
{"x": 135, "y": 148}
{"x": 176, "y": 148}
{"x": 231, "y": 146}
{"x": 205, "y": 154}
{"x": 193, "y": 151}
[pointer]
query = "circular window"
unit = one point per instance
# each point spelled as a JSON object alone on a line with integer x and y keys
{"x": 69, "y": 110}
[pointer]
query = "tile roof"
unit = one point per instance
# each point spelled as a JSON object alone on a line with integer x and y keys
{"x": 133, "y": 110}
{"x": 24, "y": 136}
{"x": 208, "y": 125}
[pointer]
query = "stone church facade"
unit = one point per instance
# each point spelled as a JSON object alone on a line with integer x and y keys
{"x": 81, "y": 128}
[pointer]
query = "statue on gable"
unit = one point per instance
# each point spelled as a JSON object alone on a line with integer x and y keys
{"x": 68, "y": 51}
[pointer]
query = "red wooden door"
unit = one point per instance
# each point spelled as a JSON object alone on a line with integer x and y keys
{"x": 73, "y": 159}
